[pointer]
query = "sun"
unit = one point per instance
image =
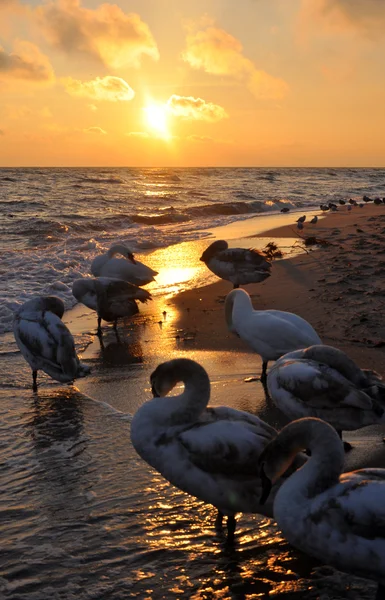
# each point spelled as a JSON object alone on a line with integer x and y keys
{"x": 156, "y": 117}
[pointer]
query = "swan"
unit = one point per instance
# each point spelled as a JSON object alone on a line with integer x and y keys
{"x": 238, "y": 265}
{"x": 128, "y": 269}
{"x": 322, "y": 381}
{"x": 210, "y": 453}
{"x": 338, "y": 519}
{"x": 110, "y": 298}
{"x": 270, "y": 333}
{"x": 45, "y": 342}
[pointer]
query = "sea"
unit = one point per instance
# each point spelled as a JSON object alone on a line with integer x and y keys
{"x": 81, "y": 515}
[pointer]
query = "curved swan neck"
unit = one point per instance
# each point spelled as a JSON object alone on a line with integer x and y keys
{"x": 188, "y": 406}
{"x": 118, "y": 249}
{"x": 237, "y": 305}
{"x": 325, "y": 464}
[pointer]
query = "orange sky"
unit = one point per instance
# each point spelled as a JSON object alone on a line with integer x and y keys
{"x": 203, "y": 83}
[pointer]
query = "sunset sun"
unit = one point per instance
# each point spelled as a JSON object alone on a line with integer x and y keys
{"x": 156, "y": 119}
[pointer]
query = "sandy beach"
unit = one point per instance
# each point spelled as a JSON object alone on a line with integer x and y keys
{"x": 162, "y": 542}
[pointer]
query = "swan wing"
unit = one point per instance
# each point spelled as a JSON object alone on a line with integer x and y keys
{"x": 246, "y": 257}
{"x": 317, "y": 385}
{"x": 355, "y": 506}
{"x": 226, "y": 413}
{"x": 225, "y": 446}
{"x": 118, "y": 290}
{"x": 272, "y": 335}
{"x": 120, "y": 268}
{"x": 47, "y": 344}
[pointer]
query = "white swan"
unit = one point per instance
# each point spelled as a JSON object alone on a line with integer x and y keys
{"x": 238, "y": 265}
{"x": 339, "y": 519}
{"x": 322, "y": 381}
{"x": 210, "y": 453}
{"x": 128, "y": 269}
{"x": 110, "y": 298}
{"x": 45, "y": 342}
{"x": 270, "y": 333}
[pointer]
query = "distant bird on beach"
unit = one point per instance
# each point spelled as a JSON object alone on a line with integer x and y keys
{"x": 238, "y": 265}
{"x": 333, "y": 516}
{"x": 45, "y": 342}
{"x": 270, "y": 333}
{"x": 208, "y": 452}
{"x": 299, "y": 225}
{"x": 366, "y": 198}
{"x": 285, "y": 209}
{"x": 314, "y": 220}
{"x": 349, "y": 207}
{"x": 324, "y": 207}
{"x": 377, "y": 201}
{"x": 127, "y": 268}
{"x": 323, "y": 382}
{"x": 353, "y": 202}
{"x": 301, "y": 219}
{"x": 112, "y": 299}
{"x": 342, "y": 202}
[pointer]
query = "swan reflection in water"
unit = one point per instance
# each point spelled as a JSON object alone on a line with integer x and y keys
{"x": 57, "y": 431}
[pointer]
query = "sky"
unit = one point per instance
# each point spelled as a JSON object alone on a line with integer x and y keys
{"x": 192, "y": 83}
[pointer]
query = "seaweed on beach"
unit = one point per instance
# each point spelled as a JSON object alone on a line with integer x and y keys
{"x": 271, "y": 251}
{"x": 313, "y": 241}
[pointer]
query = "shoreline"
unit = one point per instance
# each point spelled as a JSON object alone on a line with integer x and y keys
{"x": 328, "y": 286}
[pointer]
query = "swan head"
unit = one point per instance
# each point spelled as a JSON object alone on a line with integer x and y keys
{"x": 83, "y": 286}
{"x": 213, "y": 249}
{"x": 123, "y": 250}
{"x": 168, "y": 374}
{"x": 302, "y": 434}
{"x": 44, "y": 303}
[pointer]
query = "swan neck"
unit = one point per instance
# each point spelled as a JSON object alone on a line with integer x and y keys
{"x": 188, "y": 406}
{"x": 322, "y": 469}
{"x": 117, "y": 249}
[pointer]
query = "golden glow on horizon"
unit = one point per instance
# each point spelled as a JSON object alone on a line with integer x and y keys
{"x": 156, "y": 119}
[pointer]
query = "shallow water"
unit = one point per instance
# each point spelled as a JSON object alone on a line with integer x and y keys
{"x": 83, "y": 517}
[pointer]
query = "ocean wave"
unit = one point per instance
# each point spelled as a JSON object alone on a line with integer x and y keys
{"x": 105, "y": 180}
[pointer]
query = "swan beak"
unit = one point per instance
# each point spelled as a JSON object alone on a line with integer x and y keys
{"x": 266, "y": 486}
{"x": 154, "y": 392}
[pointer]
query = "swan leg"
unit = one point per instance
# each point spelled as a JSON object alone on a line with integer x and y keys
{"x": 219, "y": 520}
{"x": 264, "y": 371}
{"x": 347, "y": 446}
{"x": 99, "y": 326}
{"x": 380, "y": 592}
{"x": 231, "y": 525}
{"x": 34, "y": 381}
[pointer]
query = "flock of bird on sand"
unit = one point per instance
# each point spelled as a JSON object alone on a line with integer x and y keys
{"x": 230, "y": 458}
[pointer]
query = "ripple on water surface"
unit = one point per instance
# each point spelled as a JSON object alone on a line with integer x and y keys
{"x": 84, "y": 517}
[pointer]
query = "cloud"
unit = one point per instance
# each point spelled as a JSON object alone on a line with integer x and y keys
{"x": 219, "y": 53}
{"x": 105, "y": 33}
{"x": 195, "y": 108}
{"x": 97, "y": 130}
{"x": 113, "y": 89}
{"x": 363, "y": 16}
{"x": 26, "y": 62}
